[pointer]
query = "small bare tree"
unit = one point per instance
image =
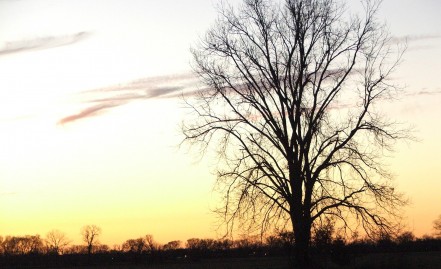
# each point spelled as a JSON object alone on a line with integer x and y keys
{"x": 437, "y": 226}
{"x": 90, "y": 235}
{"x": 134, "y": 245}
{"x": 141, "y": 245}
{"x": 56, "y": 241}
{"x": 151, "y": 244}
{"x": 292, "y": 105}
{"x": 173, "y": 245}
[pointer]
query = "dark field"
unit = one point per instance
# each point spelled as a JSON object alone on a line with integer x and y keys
{"x": 239, "y": 263}
{"x": 414, "y": 260}
{"x": 409, "y": 260}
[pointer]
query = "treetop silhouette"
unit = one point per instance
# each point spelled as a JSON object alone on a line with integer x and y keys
{"x": 293, "y": 108}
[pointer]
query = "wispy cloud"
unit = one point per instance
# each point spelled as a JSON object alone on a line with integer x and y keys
{"x": 88, "y": 112}
{"x": 149, "y": 93}
{"x": 102, "y": 99}
{"x": 428, "y": 92}
{"x": 419, "y": 42}
{"x": 413, "y": 38}
{"x": 8, "y": 193}
{"x": 42, "y": 43}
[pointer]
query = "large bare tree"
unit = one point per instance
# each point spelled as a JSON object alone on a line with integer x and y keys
{"x": 292, "y": 104}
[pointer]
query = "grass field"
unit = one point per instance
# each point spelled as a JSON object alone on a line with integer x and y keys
{"x": 423, "y": 260}
{"x": 413, "y": 260}
{"x": 239, "y": 263}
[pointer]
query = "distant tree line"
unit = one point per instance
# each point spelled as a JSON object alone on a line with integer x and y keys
{"x": 55, "y": 249}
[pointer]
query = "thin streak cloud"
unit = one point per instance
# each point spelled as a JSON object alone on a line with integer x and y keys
{"x": 412, "y": 38}
{"x": 428, "y": 92}
{"x": 106, "y": 98}
{"x": 8, "y": 193}
{"x": 173, "y": 86}
{"x": 88, "y": 112}
{"x": 419, "y": 42}
{"x": 42, "y": 43}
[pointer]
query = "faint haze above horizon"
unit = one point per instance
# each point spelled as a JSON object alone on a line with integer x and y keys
{"x": 91, "y": 104}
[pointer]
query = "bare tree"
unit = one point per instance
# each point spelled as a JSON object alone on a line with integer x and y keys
{"x": 173, "y": 245}
{"x": 151, "y": 244}
{"x": 140, "y": 245}
{"x": 90, "y": 235}
{"x": 437, "y": 226}
{"x": 22, "y": 245}
{"x": 56, "y": 241}
{"x": 292, "y": 105}
{"x": 323, "y": 234}
{"x": 405, "y": 237}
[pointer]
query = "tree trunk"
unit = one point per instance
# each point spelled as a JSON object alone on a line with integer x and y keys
{"x": 302, "y": 235}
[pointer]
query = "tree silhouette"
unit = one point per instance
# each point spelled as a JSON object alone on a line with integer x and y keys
{"x": 56, "y": 241}
{"x": 172, "y": 245}
{"x": 19, "y": 245}
{"x": 437, "y": 226}
{"x": 140, "y": 245}
{"x": 134, "y": 245}
{"x": 152, "y": 245}
{"x": 292, "y": 108}
{"x": 90, "y": 234}
{"x": 323, "y": 235}
{"x": 405, "y": 237}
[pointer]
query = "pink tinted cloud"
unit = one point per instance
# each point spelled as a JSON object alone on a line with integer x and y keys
{"x": 88, "y": 112}
{"x": 117, "y": 95}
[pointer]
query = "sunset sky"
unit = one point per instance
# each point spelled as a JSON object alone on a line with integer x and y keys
{"x": 90, "y": 113}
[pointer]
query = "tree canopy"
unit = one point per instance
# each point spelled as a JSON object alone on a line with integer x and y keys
{"x": 292, "y": 105}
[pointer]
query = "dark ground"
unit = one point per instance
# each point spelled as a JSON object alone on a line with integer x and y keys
{"x": 413, "y": 260}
